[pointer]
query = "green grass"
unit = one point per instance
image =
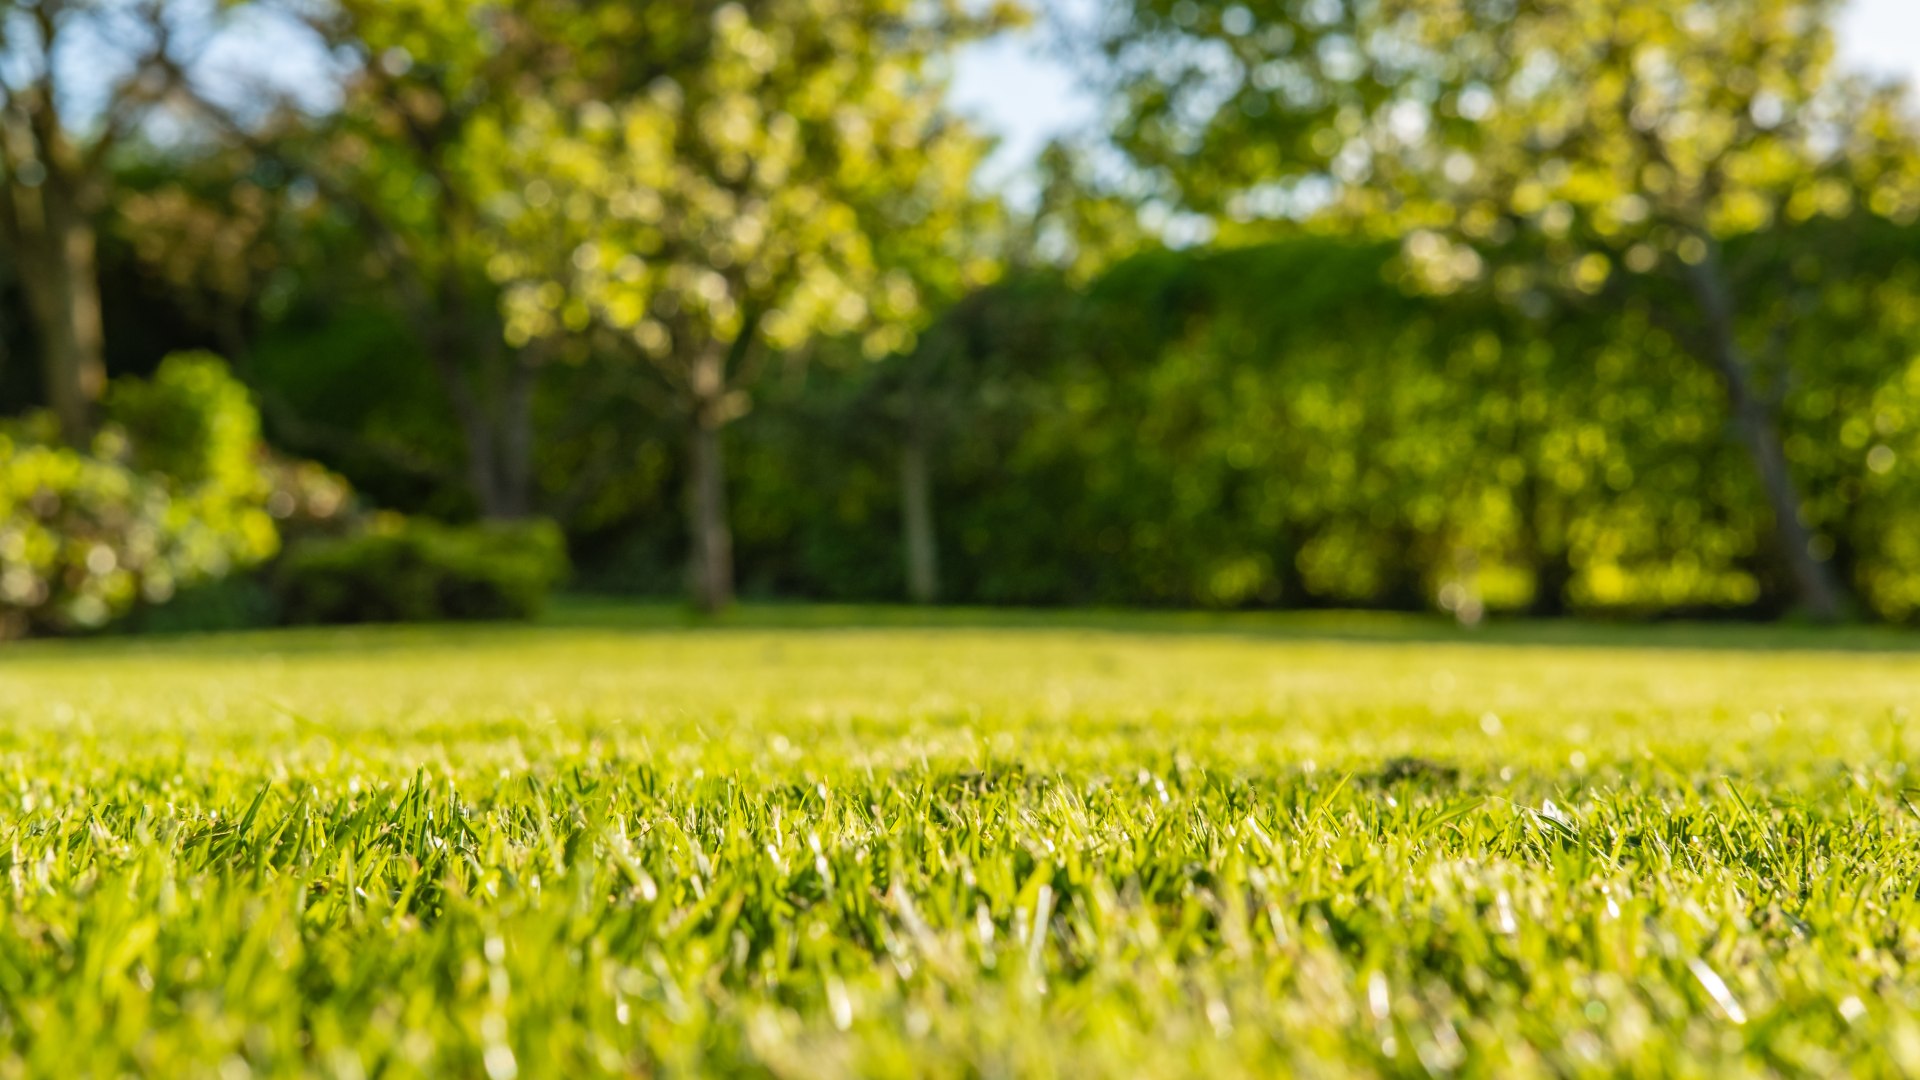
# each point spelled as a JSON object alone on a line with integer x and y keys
{"x": 834, "y": 841}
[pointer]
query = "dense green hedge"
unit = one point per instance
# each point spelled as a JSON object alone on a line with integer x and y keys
{"x": 1285, "y": 426}
{"x": 1274, "y": 426}
{"x": 419, "y": 571}
{"x": 1279, "y": 425}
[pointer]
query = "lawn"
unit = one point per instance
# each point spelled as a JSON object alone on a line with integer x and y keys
{"x": 832, "y": 841}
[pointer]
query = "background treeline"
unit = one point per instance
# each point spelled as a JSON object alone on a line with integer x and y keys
{"x": 1282, "y": 424}
{"x": 1600, "y": 308}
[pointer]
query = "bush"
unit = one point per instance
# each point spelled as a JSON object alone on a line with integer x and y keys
{"x": 418, "y": 571}
{"x": 237, "y": 602}
{"x": 192, "y": 423}
{"x": 168, "y": 496}
{"x": 156, "y": 525}
{"x": 307, "y": 499}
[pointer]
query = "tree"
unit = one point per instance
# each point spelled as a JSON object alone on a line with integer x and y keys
{"x": 1077, "y": 223}
{"x": 208, "y": 229}
{"x": 728, "y": 208}
{"x": 394, "y": 159}
{"x": 1554, "y": 149}
{"x": 401, "y": 156}
{"x": 931, "y": 225}
{"x": 55, "y": 174}
{"x": 954, "y": 257}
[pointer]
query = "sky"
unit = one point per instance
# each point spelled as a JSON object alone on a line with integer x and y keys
{"x": 1012, "y": 85}
{"x": 1013, "y": 88}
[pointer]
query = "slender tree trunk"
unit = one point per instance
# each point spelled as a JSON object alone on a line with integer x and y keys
{"x": 514, "y": 483}
{"x": 1815, "y": 587}
{"x": 1552, "y": 577}
{"x": 476, "y": 431}
{"x": 63, "y": 294}
{"x": 1403, "y": 585}
{"x": 491, "y": 393}
{"x": 487, "y": 388}
{"x": 230, "y": 326}
{"x": 916, "y": 516}
{"x": 1544, "y": 537}
{"x": 710, "y": 538}
{"x": 496, "y": 430}
{"x": 1814, "y": 583}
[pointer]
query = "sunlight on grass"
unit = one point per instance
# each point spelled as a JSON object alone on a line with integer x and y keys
{"x": 813, "y": 842}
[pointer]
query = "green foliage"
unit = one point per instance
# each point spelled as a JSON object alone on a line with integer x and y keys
{"x": 60, "y": 514}
{"x": 170, "y": 494}
{"x": 750, "y": 189}
{"x": 1283, "y": 425}
{"x": 193, "y": 423}
{"x": 1091, "y": 846}
{"x": 419, "y": 571}
{"x": 236, "y": 602}
{"x": 539, "y": 241}
{"x": 343, "y": 381}
{"x": 1554, "y": 152}
{"x": 1566, "y": 140}
{"x": 1265, "y": 426}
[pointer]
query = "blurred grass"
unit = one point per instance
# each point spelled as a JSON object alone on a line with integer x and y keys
{"x": 814, "y": 841}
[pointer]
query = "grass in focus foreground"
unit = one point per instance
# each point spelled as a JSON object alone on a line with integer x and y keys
{"x": 969, "y": 844}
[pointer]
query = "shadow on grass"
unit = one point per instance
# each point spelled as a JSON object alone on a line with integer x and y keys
{"x": 1369, "y": 627}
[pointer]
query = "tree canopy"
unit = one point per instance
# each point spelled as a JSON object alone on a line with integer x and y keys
{"x": 1565, "y": 305}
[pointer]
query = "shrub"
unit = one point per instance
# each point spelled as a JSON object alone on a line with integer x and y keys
{"x": 308, "y": 499}
{"x": 236, "y": 602}
{"x": 169, "y": 495}
{"x": 417, "y": 571}
{"x": 192, "y": 423}
{"x": 153, "y": 527}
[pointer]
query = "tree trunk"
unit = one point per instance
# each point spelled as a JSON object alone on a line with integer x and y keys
{"x": 1552, "y": 577}
{"x": 1815, "y": 588}
{"x": 514, "y": 482}
{"x": 710, "y": 539}
{"x": 491, "y": 394}
{"x": 476, "y": 431}
{"x": 230, "y": 326}
{"x": 916, "y": 517}
{"x": 1814, "y": 584}
{"x": 1544, "y": 538}
{"x": 63, "y": 294}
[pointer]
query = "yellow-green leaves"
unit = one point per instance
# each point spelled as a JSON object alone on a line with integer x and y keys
{"x": 748, "y": 189}
{"x": 1609, "y": 123}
